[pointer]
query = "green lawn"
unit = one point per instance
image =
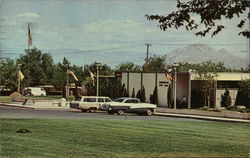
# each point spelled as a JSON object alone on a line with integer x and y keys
{"x": 123, "y": 138}
{"x": 8, "y": 98}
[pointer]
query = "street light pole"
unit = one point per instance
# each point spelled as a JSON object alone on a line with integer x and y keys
{"x": 67, "y": 89}
{"x": 97, "y": 78}
{"x": 175, "y": 82}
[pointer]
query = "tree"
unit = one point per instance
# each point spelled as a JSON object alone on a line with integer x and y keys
{"x": 216, "y": 67}
{"x": 128, "y": 66}
{"x": 156, "y": 63}
{"x": 133, "y": 93}
{"x": 37, "y": 67}
{"x": 8, "y": 73}
{"x": 226, "y": 99}
{"x": 154, "y": 96}
{"x": 138, "y": 94}
{"x": 207, "y": 71}
{"x": 243, "y": 96}
{"x": 211, "y": 12}
{"x": 143, "y": 95}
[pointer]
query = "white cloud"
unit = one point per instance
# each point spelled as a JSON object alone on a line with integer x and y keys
{"x": 28, "y": 14}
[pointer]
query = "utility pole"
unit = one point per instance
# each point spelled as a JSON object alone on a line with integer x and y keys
{"x": 98, "y": 65}
{"x": 148, "y": 45}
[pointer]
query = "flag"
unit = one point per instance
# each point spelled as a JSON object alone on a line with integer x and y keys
{"x": 29, "y": 36}
{"x": 169, "y": 76}
{"x": 20, "y": 75}
{"x": 92, "y": 77}
{"x": 72, "y": 73}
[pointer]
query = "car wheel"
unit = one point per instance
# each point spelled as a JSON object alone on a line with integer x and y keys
{"x": 149, "y": 112}
{"x": 110, "y": 112}
{"x": 84, "y": 110}
{"x": 92, "y": 110}
{"x": 120, "y": 112}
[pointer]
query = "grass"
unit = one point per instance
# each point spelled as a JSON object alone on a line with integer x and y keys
{"x": 123, "y": 138}
{"x": 5, "y": 98}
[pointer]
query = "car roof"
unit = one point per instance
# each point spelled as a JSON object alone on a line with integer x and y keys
{"x": 127, "y": 98}
{"x": 94, "y": 97}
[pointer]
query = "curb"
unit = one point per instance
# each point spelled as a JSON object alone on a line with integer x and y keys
{"x": 203, "y": 117}
{"x": 17, "y": 106}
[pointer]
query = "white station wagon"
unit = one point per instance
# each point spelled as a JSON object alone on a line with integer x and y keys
{"x": 89, "y": 103}
{"x": 132, "y": 105}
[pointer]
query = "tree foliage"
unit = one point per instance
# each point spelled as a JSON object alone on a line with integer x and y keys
{"x": 156, "y": 63}
{"x": 243, "y": 97}
{"x": 37, "y": 67}
{"x": 128, "y": 66}
{"x": 8, "y": 73}
{"x": 154, "y": 96}
{"x": 226, "y": 100}
{"x": 211, "y": 12}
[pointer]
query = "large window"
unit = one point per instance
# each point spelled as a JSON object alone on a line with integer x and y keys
{"x": 100, "y": 100}
{"x": 89, "y": 100}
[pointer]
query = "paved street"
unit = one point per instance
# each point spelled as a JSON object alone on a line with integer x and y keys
{"x": 13, "y": 112}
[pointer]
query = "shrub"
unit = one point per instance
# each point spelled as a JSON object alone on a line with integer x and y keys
{"x": 226, "y": 99}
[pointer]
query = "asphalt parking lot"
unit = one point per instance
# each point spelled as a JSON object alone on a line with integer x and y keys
{"x": 14, "y": 112}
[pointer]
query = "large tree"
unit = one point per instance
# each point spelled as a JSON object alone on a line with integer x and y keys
{"x": 211, "y": 13}
{"x": 156, "y": 63}
{"x": 37, "y": 67}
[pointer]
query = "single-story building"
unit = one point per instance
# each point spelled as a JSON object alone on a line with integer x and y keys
{"x": 187, "y": 83}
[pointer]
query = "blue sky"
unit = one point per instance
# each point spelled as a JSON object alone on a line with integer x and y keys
{"x": 107, "y": 31}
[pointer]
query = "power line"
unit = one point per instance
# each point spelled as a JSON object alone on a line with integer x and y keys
{"x": 199, "y": 44}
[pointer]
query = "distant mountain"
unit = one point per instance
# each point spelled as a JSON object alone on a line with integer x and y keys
{"x": 198, "y": 53}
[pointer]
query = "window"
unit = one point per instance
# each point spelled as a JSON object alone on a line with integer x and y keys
{"x": 135, "y": 101}
{"x": 128, "y": 101}
{"x": 118, "y": 100}
{"x": 78, "y": 98}
{"x": 89, "y": 100}
{"x": 108, "y": 100}
{"x": 100, "y": 100}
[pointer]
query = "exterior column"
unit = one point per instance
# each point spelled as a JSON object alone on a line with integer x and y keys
{"x": 189, "y": 90}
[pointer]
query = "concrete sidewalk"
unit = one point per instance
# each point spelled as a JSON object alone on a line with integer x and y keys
{"x": 226, "y": 116}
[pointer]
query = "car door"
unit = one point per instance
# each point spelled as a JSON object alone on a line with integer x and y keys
{"x": 89, "y": 103}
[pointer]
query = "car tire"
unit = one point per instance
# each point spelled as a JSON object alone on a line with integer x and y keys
{"x": 110, "y": 112}
{"x": 149, "y": 112}
{"x": 92, "y": 110}
{"x": 120, "y": 112}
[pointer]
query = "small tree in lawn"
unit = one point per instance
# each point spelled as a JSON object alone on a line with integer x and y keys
{"x": 226, "y": 99}
{"x": 154, "y": 96}
{"x": 133, "y": 93}
{"x": 143, "y": 96}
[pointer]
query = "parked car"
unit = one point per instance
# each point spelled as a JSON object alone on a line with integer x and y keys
{"x": 131, "y": 105}
{"x": 34, "y": 91}
{"x": 89, "y": 103}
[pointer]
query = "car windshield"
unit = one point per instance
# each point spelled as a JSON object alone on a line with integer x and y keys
{"x": 78, "y": 98}
{"x": 118, "y": 100}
